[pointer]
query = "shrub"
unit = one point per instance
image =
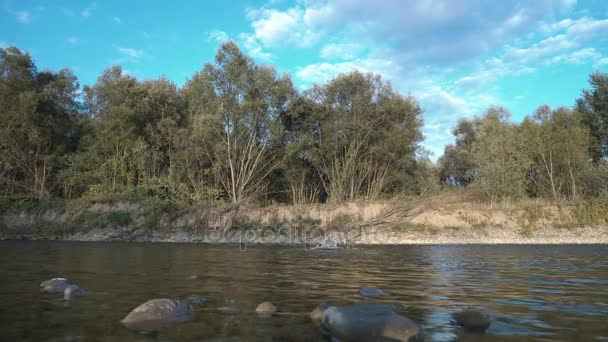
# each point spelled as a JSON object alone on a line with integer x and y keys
{"x": 593, "y": 212}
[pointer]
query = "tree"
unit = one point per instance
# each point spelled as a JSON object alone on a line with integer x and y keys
{"x": 240, "y": 104}
{"x": 367, "y": 136}
{"x": 593, "y": 106}
{"x": 457, "y": 165}
{"x": 40, "y": 117}
{"x": 499, "y": 153}
{"x": 557, "y": 143}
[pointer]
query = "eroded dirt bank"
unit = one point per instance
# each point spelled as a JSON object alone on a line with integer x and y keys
{"x": 405, "y": 221}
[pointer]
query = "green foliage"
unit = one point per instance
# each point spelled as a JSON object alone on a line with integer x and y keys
{"x": 593, "y": 212}
{"x": 556, "y": 142}
{"x": 593, "y": 106}
{"x": 499, "y": 153}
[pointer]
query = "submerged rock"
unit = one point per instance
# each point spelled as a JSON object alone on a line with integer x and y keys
{"x": 55, "y": 285}
{"x": 317, "y": 314}
{"x": 472, "y": 320}
{"x": 369, "y": 322}
{"x": 397, "y": 306}
{"x": 73, "y": 291}
{"x": 230, "y": 309}
{"x": 157, "y": 313}
{"x": 372, "y": 292}
{"x": 197, "y": 300}
{"x": 266, "y": 309}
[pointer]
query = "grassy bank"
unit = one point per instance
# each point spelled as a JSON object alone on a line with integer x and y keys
{"x": 446, "y": 218}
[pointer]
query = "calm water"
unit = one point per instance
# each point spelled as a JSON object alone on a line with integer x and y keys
{"x": 534, "y": 293}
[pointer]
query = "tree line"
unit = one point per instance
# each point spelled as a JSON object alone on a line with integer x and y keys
{"x": 559, "y": 154}
{"x": 238, "y": 131}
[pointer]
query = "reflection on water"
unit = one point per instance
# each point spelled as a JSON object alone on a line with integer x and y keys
{"x": 543, "y": 293}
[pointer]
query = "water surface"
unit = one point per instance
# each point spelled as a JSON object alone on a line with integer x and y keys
{"x": 534, "y": 293}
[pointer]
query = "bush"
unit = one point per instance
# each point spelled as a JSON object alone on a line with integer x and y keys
{"x": 114, "y": 218}
{"x": 593, "y": 212}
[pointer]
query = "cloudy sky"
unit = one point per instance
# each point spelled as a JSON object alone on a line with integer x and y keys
{"x": 457, "y": 57}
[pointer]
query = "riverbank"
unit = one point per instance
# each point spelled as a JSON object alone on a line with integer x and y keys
{"x": 438, "y": 220}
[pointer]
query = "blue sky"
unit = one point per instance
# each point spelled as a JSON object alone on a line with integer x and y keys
{"x": 457, "y": 57}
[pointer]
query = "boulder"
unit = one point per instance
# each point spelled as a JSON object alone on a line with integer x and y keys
{"x": 369, "y": 322}
{"x": 317, "y": 314}
{"x": 472, "y": 320}
{"x": 372, "y": 292}
{"x": 55, "y": 285}
{"x": 72, "y": 292}
{"x": 157, "y": 313}
{"x": 266, "y": 309}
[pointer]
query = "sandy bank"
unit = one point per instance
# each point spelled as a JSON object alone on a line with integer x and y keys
{"x": 407, "y": 221}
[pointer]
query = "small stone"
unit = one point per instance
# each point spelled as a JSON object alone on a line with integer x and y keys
{"x": 229, "y": 309}
{"x": 472, "y": 320}
{"x": 266, "y": 309}
{"x": 197, "y": 300}
{"x": 55, "y": 285}
{"x": 192, "y": 277}
{"x": 372, "y": 292}
{"x": 72, "y": 292}
{"x": 317, "y": 314}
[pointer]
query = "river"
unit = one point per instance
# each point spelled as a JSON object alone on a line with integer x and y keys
{"x": 533, "y": 293}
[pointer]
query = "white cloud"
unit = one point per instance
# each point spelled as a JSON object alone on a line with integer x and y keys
{"x": 87, "y": 11}
{"x": 253, "y": 47}
{"x": 73, "y": 40}
{"x": 130, "y": 52}
{"x": 117, "y": 20}
{"x": 273, "y": 27}
{"x": 24, "y": 17}
{"x": 341, "y": 51}
{"x": 322, "y": 72}
{"x": 217, "y": 36}
{"x": 3, "y": 44}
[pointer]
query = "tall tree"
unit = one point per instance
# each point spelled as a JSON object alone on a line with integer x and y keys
{"x": 593, "y": 106}
{"x": 240, "y": 104}
{"x": 499, "y": 153}
{"x": 457, "y": 165}
{"x": 40, "y": 117}
{"x": 367, "y": 135}
{"x": 557, "y": 142}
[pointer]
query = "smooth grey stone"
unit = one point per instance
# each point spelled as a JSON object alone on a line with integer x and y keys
{"x": 157, "y": 313}
{"x": 55, "y": 285}
{"x": 197, "y": 300}
{"x": 229, "y": 309}
{"x": 72, "y": 292}
{"x": 372, "y": 292}
{"x": 369, "y": 322}
{"x": 472, "y": 320}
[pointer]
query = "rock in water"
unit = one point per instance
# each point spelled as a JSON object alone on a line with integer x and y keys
{"x": 197, "y": 300}
{"x": 372, "y": 292}
{"x": 317, "y": 314}
{"x": 229, "y": 309}
{"x": 472, "y": 320}
{"x": 72, "y": 292}
{"x": 266, "y": 309}
{"x": 157, "y": 313}
{"x": 55, "y": 285}
{"x": 369, "y": 322}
